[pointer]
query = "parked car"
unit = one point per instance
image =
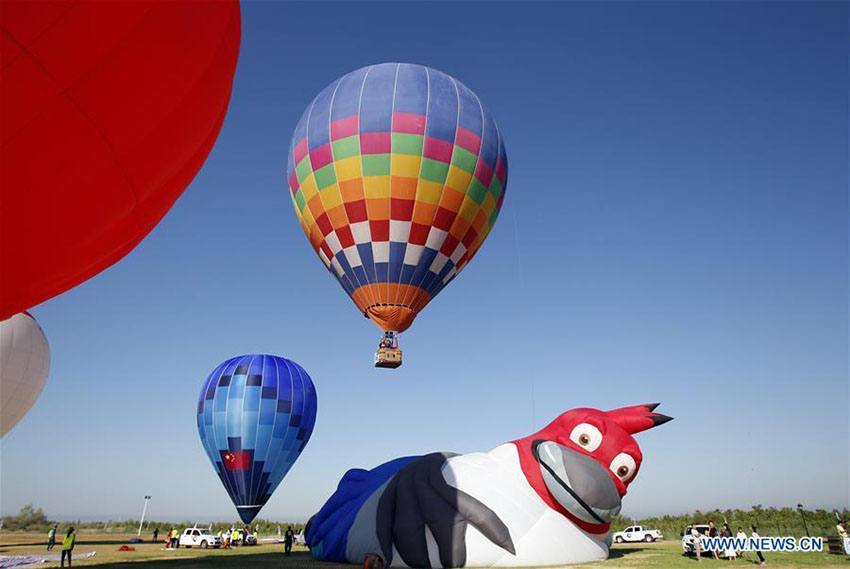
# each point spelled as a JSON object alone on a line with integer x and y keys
{"x": 203, "y": 538}
{"x": 688, "y": 541}
{"x": 638, "y": 533}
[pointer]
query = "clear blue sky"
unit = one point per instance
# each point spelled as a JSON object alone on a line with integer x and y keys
{"x": 675, "y": 230}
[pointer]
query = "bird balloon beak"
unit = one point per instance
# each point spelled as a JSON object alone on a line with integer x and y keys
{"x": 580, "y": 484}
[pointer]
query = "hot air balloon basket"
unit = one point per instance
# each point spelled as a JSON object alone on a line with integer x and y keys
{"x": 388, "y": 358}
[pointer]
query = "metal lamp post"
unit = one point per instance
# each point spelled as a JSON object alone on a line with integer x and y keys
{"x": 144, "y": 509}
{"x": 803, "y": 515}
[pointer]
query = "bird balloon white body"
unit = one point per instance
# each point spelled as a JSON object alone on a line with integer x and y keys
{"x": 24, "y": 362}
{"x": 541, "y": 536}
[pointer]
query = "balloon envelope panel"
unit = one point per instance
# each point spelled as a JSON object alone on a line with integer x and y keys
{"x": 397, "y": 173}
{"x": 24, "y": 362}
{"x": 255, "y": 416}
{"x": 107, "y": 111}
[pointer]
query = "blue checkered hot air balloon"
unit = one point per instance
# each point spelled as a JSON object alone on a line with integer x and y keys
{"x": 255, "y": 416}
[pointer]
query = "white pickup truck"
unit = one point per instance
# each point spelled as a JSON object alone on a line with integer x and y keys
{"x": 637, "y": 533}
{"x": 203, "y": 538}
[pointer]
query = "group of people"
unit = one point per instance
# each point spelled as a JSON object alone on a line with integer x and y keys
{"x": 388, "y": 342}
{"x": 729, "y": 552}
{"x": 234, "y": 536}
{"x": 68, "y": 543}
{"x": 172, "y": 538}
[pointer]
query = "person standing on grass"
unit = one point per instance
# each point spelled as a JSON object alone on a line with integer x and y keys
{"x": 730, "y": 552}
{"x": 712, "y": 532}
{"x": 155, "y": 534}
{"x": 51, "y": 538}
{"x": 842, "y": 534}
{"x": 288, "y": 538}
{"x": 697, "y": 543}
{"x": 68, "y": 546}
{"x": 755, "y": 535}
{"x": 742, "y": 538}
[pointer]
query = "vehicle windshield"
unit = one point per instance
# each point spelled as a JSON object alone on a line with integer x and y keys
{"x": 205, "y": 532}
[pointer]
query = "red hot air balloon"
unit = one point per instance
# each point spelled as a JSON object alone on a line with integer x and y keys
{"x": 107, "y": 112}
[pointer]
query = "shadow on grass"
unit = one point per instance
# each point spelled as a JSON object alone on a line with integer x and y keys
{"x": 721, "y": 558}
{"x": 618, "y": 552}
{"x": 275, "y": 559}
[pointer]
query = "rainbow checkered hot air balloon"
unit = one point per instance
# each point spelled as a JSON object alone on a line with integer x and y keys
{"x": 397, "y": 173}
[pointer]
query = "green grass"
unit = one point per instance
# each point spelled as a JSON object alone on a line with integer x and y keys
{"x": 149, "y": 555}
{"x": 669, "y": 554}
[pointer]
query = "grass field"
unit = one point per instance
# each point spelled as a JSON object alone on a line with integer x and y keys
{"x": 150, "y": 555}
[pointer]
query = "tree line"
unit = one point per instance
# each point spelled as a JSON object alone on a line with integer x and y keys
{"x": 33, "y": 519}
{"x": 769, "y": 521}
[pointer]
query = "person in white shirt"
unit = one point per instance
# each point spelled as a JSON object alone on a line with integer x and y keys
{"x": 741, "y": 536}
{"x": 842, "y": 533}
{"x": 695, "y": 534}
{"x": 755, "y": 535}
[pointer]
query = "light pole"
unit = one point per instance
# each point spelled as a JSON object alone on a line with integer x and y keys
{"x": 802, "y": 515}
{"x": 144, "y": 509}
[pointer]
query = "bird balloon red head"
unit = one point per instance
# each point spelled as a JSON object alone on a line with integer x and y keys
{"x": 582, "y": 463}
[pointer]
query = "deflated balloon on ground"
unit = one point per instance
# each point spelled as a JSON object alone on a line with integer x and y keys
{"x": 546, "y": 499}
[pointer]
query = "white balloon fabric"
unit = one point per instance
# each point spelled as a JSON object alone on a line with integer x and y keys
{"x": 24, "y": 361}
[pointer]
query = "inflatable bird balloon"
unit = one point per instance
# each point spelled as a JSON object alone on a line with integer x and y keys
{"x": 397, "y": 173}
{"x": 546, "y": 499}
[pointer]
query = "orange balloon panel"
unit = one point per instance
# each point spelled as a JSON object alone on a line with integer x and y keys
{"x": 107, "y": 112}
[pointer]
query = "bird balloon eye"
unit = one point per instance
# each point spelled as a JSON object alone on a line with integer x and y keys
{"x": 586, "y": 436}
{"x": 623, "y": 466}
